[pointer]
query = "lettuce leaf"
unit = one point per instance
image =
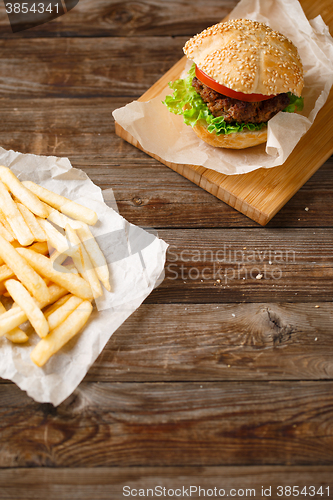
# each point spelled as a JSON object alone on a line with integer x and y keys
{"x": 296, "y": 104}
{"x": 185, "y": 101}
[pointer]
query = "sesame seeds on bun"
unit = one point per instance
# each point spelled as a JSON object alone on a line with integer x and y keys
{"x": 249, "y": 57}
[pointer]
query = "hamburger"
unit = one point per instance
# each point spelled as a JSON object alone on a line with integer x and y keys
{"x": 243, "y": 74}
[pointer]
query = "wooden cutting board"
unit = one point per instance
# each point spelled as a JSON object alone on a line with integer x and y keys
{"x": 262, "y": 193}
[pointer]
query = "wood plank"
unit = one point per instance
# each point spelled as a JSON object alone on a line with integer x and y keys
{"x": 96, "y": 483}
{"x": 222, "y": 265}
{"x": 147, "y": 193}
{"x": 82, "y": 128}
{"x": 262, "y": 193}
{"x": 106, "y": 18}
{"x": 206, "y": 342}
{"x": 165, "y": 424}
{"x": 210, "y": 342}
{"x": 94, "y": 67}
{"x": 108, "y": 433}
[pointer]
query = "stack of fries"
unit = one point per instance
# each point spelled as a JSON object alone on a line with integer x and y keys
{"x": 48, "y": 257}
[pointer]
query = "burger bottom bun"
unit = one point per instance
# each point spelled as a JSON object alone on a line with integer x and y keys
{"x": 237, "y": 140}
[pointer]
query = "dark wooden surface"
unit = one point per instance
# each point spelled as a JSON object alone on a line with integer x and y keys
{"x": 219, "y": 379}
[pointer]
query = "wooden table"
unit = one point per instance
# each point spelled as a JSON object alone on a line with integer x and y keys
{"x": 220, "y": 379}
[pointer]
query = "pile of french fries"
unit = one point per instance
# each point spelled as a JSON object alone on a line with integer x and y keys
{"x": 50, "y": 265}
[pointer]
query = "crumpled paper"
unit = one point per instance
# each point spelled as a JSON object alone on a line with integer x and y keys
{"x": 136, "y": 261}
{"x": 165, "y": 135}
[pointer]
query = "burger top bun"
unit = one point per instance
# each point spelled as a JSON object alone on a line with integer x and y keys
{"x": 249, "y": 57}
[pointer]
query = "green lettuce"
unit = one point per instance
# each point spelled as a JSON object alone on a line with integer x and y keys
{"x": 185, "y": 101}
{"x": 296, "y": 103}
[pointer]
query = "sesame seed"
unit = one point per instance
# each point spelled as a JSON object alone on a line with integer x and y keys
{"x": 243, "y": 51}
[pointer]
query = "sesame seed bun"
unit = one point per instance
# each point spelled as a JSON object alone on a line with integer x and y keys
{"x": 249, "y": 57}
{"x": 236, "y": 140}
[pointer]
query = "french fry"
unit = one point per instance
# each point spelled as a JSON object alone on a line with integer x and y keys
{"x": 24, "y": 271}
{"x": 58, "y": 337}
{"x": 41, "y": 265}
{"x": 13, "y": 215}
{"x": 57, "y": 304}
{"x": 59, "y": 260}
{"x": 49, "y": 197}
{"x": 58, "y": 316}
{"x": 57, "y": 240}
{"x": 22, "y": 297}
{"x": 71, "y": 268}
{"x": 29, "y": 199}
{"x": 16, "y": 316}
{"x": 58, "y": 218}
{"x": 5, "y": 233}
{"x": 31, "y": 221}
{"x": 83, "y": 263}
{"x": 5, "y": 273}
{"x": 62, "y": 220}
{"x": 17, "y": 336}
{"x": 96, "y": 255}
{"x": 40, "y": 247}
{"x": 11, "y": 319}
{"x": 6, "y": 224}
{"x": 58, "y": 257}
{"x": 64, "y": 205}
{"x": 72, "y": 282}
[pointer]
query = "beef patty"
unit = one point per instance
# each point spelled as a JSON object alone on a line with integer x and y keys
{"x": 234, "y": 110}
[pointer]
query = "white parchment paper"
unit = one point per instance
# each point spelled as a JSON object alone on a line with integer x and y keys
{"x": 136, "y": 261}
{"x": 164, "y": 134}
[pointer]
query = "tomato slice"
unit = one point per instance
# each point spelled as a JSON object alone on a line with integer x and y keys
{"x": 221, "y": 89}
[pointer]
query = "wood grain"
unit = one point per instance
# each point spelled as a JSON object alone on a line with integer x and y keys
{"x": 205, "y": 342}
{"x": 171, "y": 424}
{"x": 70, "y": 67}
{"x": 196, "y": 386}
{"x": 147, "y": 193}
{"x": 97, "y": 483}
{"x": 262, "y": 193}
{"x": 106, "y": 18}
{"x": 222, "y": 265}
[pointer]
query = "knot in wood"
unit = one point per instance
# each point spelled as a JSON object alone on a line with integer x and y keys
{"x": 280, "y": 331}
{"x": 137, "y": 201}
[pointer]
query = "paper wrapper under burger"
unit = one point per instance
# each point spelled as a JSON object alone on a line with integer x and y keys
{"x": 165, "y": 135}
{"x": 136, "y": 261}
